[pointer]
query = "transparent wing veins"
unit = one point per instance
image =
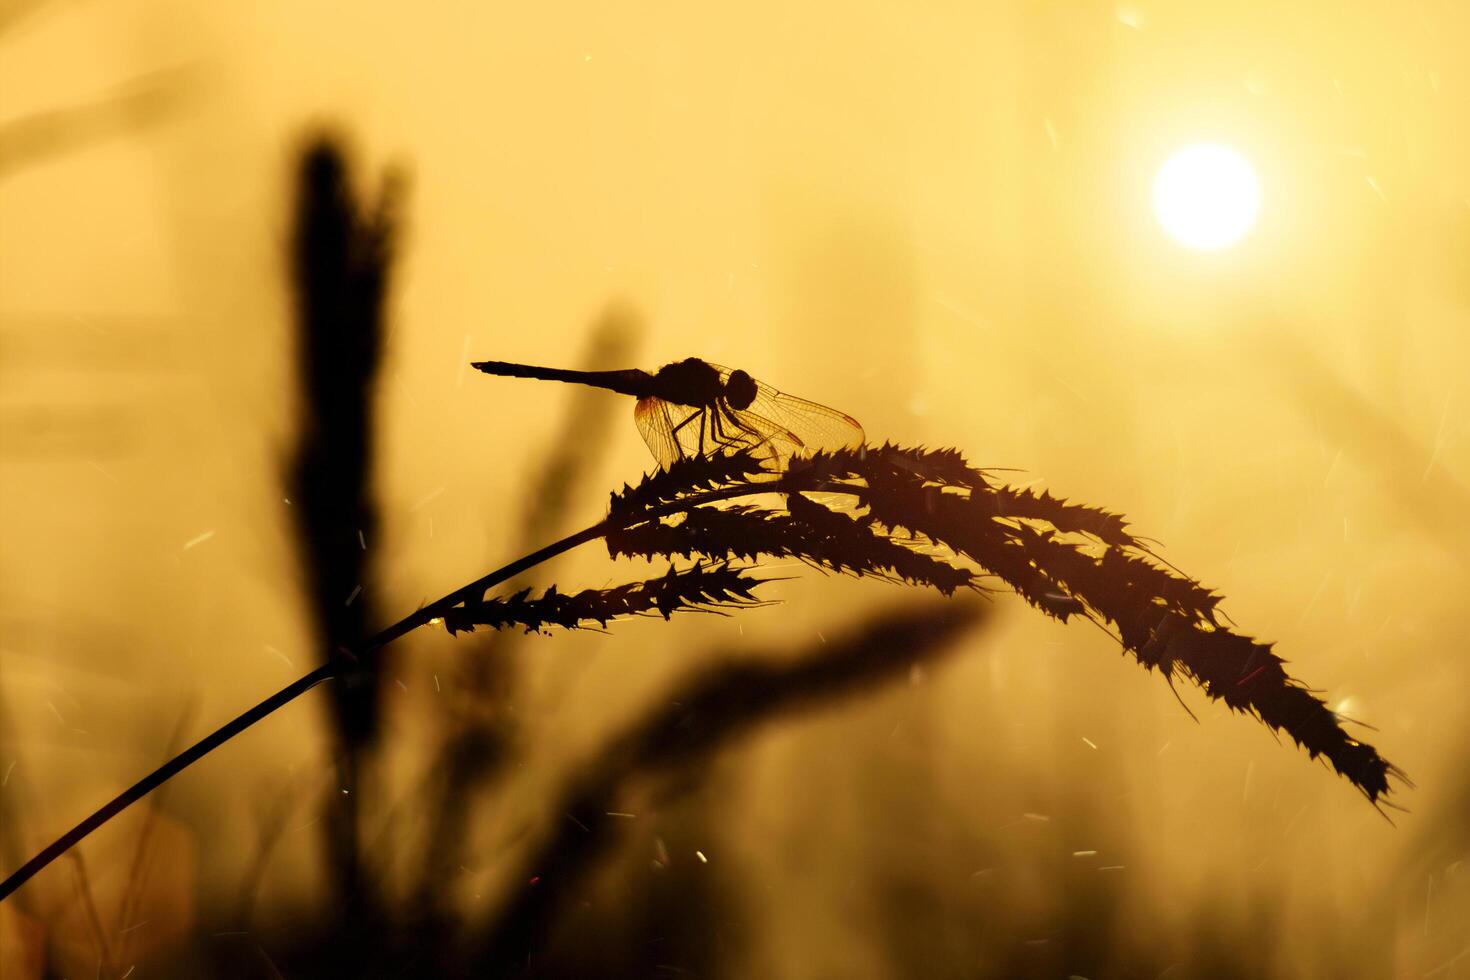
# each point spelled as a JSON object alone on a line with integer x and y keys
{"x": 774, "y": 425}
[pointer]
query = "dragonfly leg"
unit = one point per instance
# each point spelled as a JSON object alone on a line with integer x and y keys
{"x": 699, "y": 414}
{"x": 703, "y": 424}
{"x": 753, "y": 436}
{"x": 717, "y": 428}
{"x": 732, "y": 431}
{"x": 734, "y": 420}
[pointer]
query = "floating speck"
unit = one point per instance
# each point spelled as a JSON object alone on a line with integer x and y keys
{"x": 1438, "y": 440}
{"x": 356, "y": 591}
{"x": 698, "y": 854}
{"x": 1131, "y": 17}
{"x": 198, "y": 539}
{"x": 1090, "y": 743}
{"x": 427, "y": 498}
{"x": 464, "y": 360}
{"x": 104, "y": 471}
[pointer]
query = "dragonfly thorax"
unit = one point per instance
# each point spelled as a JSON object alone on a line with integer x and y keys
{"x": 693, "y": 382}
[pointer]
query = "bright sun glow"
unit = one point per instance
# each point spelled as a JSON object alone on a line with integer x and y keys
{"x": 1206, "y": 196}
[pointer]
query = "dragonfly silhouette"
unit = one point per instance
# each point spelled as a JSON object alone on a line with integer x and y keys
{"x": 695, "y": 408}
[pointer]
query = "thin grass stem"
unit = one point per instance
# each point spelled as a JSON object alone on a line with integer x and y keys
{"x": 341, "y": 664}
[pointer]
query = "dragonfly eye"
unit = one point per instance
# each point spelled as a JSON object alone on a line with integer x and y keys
{"x": 739, "y": 390}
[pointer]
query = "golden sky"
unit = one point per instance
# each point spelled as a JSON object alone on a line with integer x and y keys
{"x": 937, "y": 217}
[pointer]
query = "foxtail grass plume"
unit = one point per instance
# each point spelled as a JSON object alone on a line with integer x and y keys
{"x": 928, "y": 518}
{"x": 906, "y": 515}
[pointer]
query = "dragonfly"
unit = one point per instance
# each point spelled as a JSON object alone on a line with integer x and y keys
{"x": 693, "y": 408}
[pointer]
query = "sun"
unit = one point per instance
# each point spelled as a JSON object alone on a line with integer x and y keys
{"x": 1206, "y": 196}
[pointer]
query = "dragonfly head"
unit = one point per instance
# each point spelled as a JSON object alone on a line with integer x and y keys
{"x": 739, "y": 390}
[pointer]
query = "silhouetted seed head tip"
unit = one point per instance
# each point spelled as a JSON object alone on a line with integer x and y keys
{"x": 926, "y": 517}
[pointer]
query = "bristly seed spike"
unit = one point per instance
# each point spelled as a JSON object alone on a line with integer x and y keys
{"x": 1064, "y": 559}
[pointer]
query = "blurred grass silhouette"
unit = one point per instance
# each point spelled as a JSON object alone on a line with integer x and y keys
{"x": 341, "y": 261}
{"x": 144, "y": 101}
{"x": 696, "y": 719}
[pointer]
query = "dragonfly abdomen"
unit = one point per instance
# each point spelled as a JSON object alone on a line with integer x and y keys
{"x": 633, "y": 382}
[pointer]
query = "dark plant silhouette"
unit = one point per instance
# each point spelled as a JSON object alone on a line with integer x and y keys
{"x": 697, "y": 589}
{"x": 1063, "y": 558}
{"x": 695, "y": 719}
{"x": 341, "y": 255}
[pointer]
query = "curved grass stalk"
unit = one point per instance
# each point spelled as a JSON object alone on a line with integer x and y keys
{"x": 343, "y": 663}
{"x": 925, "y": 518}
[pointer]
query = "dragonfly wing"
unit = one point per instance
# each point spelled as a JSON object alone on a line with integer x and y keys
{"x": 651, "y": 415}
{"x": 747, "y": 430}
{"x": 794, "y": 425}
{"x": 816, "y": 426}
{"x": 669, "y": 430}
